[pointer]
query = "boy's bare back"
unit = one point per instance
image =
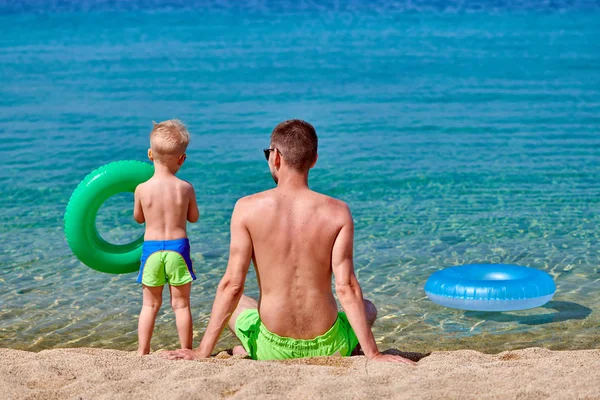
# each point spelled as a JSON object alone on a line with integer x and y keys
{"x": 167, "y": 202}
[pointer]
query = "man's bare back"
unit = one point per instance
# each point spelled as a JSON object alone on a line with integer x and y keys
{"x": 292, "y": 235}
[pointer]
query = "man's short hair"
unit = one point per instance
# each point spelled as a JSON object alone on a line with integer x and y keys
{"x": 169, "y": 139}
{"x": 297, "y": 141}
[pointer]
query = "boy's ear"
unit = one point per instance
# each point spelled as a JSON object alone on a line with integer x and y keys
{"x": 150, "y": 157}
{"x": 182, "y": 159}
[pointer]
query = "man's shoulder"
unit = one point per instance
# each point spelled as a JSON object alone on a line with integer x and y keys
{"x": 332, "y": 204}
{"x": 249, "y": 207}
{"x": 253, "y": 200}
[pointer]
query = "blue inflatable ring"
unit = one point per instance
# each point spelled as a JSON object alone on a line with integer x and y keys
{"x": 490, "y": 287}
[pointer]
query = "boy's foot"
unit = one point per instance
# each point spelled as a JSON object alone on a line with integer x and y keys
{"x": 143, "y": 352}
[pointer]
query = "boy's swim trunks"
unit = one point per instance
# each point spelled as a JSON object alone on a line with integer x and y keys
{"x": 261, "y": 344}
{"x": 166, "y": 261}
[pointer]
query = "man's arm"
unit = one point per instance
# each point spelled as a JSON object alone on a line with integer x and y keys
{"x": 350, "y": 294}
{"x": 193, "y": 214}
{"x": 229, "y": 291}
{"x": 138, "y": 213}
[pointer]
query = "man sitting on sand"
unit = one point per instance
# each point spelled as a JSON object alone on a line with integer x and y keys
{"x": 296, "y": 239}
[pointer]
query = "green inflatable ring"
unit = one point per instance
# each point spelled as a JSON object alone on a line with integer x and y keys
{"x": 80, "y": 217}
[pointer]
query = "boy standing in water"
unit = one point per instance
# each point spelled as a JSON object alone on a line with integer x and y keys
{"x": 165, "y": 203}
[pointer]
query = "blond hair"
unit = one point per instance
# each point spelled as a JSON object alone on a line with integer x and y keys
{"x": 169, "y": 139}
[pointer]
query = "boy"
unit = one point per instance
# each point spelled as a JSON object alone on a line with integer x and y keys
{"x": 164, "y": 203}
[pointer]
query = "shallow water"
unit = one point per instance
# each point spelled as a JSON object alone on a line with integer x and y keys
{"x": 456, "y": 135}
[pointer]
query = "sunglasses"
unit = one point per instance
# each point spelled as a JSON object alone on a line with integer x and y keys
{"x": 268, "y": 152}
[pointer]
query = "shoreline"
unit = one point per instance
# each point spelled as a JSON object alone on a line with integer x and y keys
{"x": 532, "y": 373}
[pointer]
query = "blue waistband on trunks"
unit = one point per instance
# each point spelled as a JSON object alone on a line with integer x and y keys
{"x": 181, "y": 246}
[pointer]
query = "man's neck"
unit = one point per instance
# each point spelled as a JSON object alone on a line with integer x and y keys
{"x": 292, "y": 180}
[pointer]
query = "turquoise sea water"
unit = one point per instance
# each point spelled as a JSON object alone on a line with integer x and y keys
{"x": 456, "y": 135}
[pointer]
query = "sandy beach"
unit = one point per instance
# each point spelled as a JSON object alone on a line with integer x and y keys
{"x": 87, "y": 373}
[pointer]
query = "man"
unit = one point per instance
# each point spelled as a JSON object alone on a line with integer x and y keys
{"x": 296, "y": 239}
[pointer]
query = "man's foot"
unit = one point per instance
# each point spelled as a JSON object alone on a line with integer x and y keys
{"x": 239, "y": 350}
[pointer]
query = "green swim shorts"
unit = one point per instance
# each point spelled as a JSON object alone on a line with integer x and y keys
{"x": 261, "y": 344}
{"x": 166, "y": 261}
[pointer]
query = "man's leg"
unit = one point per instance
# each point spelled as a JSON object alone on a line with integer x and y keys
{"x": 371, "y": 311}
{"x": 244, "y": 304}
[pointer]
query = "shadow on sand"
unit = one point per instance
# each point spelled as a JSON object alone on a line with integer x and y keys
{"x": 331, "y": 361}
{"x": 416, "y": 357}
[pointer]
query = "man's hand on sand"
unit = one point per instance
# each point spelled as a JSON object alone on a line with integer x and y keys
{"x": 393, "y": 359}
{"x": 181, "y": 354}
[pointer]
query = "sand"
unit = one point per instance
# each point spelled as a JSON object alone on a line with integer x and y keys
{"x": 86, "y": 373}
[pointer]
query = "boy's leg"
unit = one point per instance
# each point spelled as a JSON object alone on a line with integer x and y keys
{"x": 152, "y": 301}
{"x": 180, "y": 301}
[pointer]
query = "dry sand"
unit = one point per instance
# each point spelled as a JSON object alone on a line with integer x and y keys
{"x": 110, "y": 374}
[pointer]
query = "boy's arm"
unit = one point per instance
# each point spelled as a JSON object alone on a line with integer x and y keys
{"x": 138, "y": 213}
{"x": 193, "y": 214}
{"x": 229, "y": 291}
{"x": 350, "y": 294}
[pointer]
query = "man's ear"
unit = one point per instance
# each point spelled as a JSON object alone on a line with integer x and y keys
{"x": 277, "y": 160}
{"x": 314, "y": 162}
{"x": 150, "y": 156}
